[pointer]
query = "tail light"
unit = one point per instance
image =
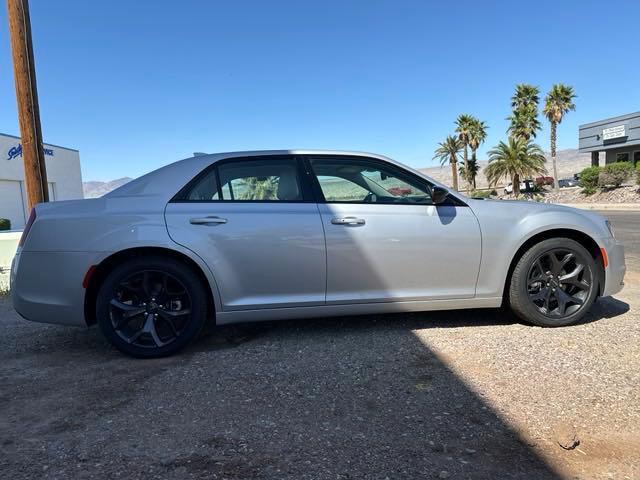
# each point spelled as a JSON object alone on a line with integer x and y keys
{"x": 27, "y": 227}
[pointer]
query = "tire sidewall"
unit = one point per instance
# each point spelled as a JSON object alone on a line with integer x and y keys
{"x": 183, "y": 273}
{"x": 519, "y": 295}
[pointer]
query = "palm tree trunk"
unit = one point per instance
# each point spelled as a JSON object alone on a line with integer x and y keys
{"x": 475, "y": 164}
{"x": 554, "y": 127}
{"x": 454, "y": 173}
{"x": 516, "y": 184}
{"x": 466, "y": 167}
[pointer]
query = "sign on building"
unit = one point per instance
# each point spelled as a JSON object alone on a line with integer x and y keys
{"x": 614, "y": 132}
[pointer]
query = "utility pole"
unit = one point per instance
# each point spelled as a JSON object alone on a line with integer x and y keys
{"x": 35, "y": 171}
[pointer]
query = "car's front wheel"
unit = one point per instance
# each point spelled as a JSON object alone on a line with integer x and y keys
{"x": 554, "y": 283}
{"x": 151, "y": 306}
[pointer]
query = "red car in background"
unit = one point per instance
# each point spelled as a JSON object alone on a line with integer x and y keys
{"x": 399, "y": 191}
{"x": 541, "y": 181}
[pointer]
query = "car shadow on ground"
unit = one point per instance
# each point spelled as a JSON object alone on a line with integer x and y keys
{"x": 236, "y": 334}
{"x": 348, "y": 397}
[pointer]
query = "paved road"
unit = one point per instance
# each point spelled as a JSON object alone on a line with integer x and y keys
{"x": 627, "y": 227}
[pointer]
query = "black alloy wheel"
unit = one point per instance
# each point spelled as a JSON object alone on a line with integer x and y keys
{"x": 559, "y": 283}
{"x": 554, "y": 283}
{"x": 151, "y": 306}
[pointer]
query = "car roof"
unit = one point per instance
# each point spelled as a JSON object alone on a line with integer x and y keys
{"x": 167, "y": 180}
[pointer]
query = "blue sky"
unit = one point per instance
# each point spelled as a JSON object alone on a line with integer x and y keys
{"x": 135, "y": 85}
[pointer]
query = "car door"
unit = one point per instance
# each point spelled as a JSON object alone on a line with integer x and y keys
{"x": 255, "y": 224}
{"x": 386, "y": 241}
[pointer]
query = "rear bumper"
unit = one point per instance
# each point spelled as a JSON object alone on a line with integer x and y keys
{"x": 614, "y": 273}
{"x": 47, "y": 286}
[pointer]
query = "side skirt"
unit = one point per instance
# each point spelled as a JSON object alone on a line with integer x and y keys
{"x": 238, "y": 316}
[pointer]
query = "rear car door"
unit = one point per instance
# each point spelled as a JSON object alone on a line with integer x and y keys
{"x": 255, "y": 224}
{"x": 386, "y": 241}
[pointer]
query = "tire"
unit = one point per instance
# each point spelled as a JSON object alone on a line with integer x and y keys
{"x": 151, "y": 306}
{"x": 552, "y": 293}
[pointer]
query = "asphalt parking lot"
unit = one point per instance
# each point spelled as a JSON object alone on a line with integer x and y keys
{"x": 468, "y": 394}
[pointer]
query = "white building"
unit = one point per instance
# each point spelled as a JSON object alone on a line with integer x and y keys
{"x": 63, "y": 174}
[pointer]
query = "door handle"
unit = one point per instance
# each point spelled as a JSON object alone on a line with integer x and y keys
{"x": 213, "y": 220}
{"x": 348, "y": 221}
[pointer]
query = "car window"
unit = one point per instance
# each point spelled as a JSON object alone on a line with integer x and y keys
{"x": 361, "y": 181}
{"x": 206, "y": 188}
{"x": 260, "y": 180}
{"x": 268, "y": 179}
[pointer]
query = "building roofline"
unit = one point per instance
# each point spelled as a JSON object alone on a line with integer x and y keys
{"x": 44, "y": 143}
{"x": 609, "y": 120}
{"x": 611, "y": 146}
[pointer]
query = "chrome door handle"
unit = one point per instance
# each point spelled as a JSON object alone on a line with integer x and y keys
{"x": 348, "y": 221}
{"x": 207, "y": 220}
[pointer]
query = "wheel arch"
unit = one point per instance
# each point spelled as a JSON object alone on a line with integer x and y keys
{"x": 582, "y": 238}
{"x": 109, "y": 263}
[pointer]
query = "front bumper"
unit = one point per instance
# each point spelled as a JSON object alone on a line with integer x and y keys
{"x": 614, "y": 272}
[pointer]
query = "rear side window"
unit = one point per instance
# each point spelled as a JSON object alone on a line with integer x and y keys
{"x": 260, "y": 180}
{"x": 205, "y": 188}
{"x": 248, "y": 180}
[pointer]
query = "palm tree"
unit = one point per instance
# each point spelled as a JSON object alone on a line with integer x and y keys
{"x": 473, "y": 167}
{"x": 464, "y": 124}
{"x": 524, "y": 121}
{"x": 477, "y": 135}
{"x": 447, "y": 152}
{"x": 525, "y": 95}
{"x": 557, "y": 103}
{"x": 516, "y": 159}
{"x": 260, "y": 189}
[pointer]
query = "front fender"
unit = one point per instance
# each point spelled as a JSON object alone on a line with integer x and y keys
{"x": 507, "y": 226}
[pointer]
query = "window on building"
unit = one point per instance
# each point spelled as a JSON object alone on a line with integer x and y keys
{"x": 622, "y": 157}
{"x": 636, "y": 157}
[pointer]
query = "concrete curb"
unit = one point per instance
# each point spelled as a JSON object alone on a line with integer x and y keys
{"x": 627, "y": 207}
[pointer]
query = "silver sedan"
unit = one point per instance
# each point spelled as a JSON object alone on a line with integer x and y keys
{"x": 251, "y": 236}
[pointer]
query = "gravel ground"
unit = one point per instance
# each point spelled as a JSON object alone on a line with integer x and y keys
{"x": 468, "y": 394}
{"x": 626, "y": 194}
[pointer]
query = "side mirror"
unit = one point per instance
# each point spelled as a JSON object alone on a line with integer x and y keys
{"x": 438, "y": 195}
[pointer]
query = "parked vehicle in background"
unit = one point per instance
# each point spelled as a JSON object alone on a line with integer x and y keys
{"x": 250, "y": 236}
{"x": 526, "y": 186}
{"x": 399, "y": 191}
{"x": 544, "y": 181}
{"x": 567, "y": 182}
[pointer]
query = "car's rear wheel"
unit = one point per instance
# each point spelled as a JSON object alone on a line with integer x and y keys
{"x": 151, "y": 306}
{"x": 554, "y": 283}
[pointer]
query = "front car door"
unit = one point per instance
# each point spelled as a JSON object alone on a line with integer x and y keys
{"x": 256, "y": 225}
{"x": 386, "y": 241}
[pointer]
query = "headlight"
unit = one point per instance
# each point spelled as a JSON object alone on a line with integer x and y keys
{"x": 610, "y": 227}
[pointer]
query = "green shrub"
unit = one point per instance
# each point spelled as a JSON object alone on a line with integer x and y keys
{"x": 483, "y": 193}
{"x": 638, "y": 173}
{"x": 589, "y": 179}
{"x": 615, "y": 174}
{"x": 5, "y": 224}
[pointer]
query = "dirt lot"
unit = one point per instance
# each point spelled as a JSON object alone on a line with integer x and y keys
{"x": 440, "y": 395}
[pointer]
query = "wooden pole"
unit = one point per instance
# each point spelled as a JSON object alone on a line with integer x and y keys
{"x": 35, "y": 170}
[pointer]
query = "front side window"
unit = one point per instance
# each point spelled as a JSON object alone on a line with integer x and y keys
{"x": 250, "y": 180}
{"x": 361, "y": 181}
